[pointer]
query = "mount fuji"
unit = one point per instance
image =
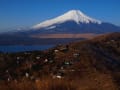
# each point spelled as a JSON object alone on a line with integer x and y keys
{"x": 70, "y": 26}
{"x": 74, "y": 21}
{"x": 73, "y": 15}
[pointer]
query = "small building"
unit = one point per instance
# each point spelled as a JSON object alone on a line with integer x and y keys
{"x": 76, "y": 54}
{"x": 58, "y": 76}
{"x": 38, "y": 57}
{"x": 67, "y": 63}
{"x": 56, "y": 50}
{"x": 46, "y": 60}
{"x": 18, "y": 58}
{"x": 26, "y": 75}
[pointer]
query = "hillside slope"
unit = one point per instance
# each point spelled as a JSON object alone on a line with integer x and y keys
{"x": 86, "y": 65}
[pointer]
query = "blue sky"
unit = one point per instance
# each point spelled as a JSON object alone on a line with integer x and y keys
{"x": 26, "y": 13}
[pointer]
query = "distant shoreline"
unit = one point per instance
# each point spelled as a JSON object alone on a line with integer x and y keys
{"x": 85, "y": 35}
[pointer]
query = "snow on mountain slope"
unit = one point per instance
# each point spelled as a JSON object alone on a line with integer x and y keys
{"x": 73, "y": 15}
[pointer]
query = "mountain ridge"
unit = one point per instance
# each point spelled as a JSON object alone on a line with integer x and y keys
{"x": 74, "y": 21}
{"x": 72, "y": 15}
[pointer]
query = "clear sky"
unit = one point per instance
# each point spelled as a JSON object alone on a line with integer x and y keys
{"x": 26, "y": 13}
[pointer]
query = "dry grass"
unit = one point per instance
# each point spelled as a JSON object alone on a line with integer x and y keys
{"x": 46, "y": 84}
{"x": 55, "y": 84}
{"x": 101, "y": 83}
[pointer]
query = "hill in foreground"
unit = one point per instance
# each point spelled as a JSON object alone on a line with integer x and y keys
{"x": 86, "y": 65}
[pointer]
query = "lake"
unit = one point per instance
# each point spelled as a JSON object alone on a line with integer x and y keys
{"x": 21, "y": 48}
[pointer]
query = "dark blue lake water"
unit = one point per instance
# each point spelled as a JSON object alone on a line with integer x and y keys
{"x": 16, "y": 48}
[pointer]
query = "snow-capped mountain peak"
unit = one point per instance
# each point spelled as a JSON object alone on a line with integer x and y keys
{"x": 73, "y": 15}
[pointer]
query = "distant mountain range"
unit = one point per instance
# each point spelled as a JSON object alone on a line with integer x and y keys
{"x": 72, "y": 24}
